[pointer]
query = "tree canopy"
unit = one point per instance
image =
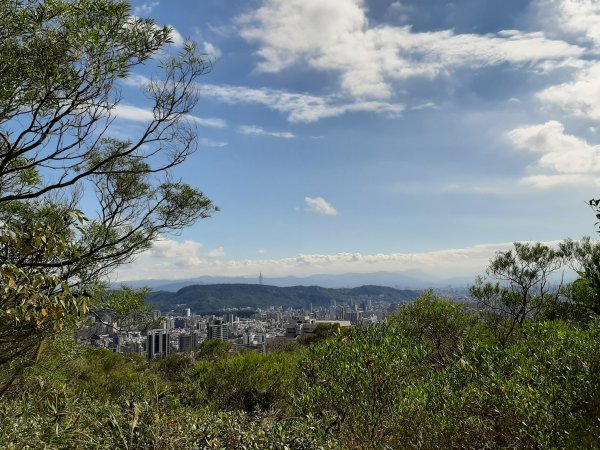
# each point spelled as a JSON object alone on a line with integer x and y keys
{"x": 61, "y": 64}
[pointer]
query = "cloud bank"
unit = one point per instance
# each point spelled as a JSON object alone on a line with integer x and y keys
{"x": 174, "y": 260}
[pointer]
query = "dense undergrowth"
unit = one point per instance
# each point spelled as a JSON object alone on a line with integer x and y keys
{"x": 433, "y": 376}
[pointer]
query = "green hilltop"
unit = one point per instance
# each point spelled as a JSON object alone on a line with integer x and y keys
{"x": 215, "y": 297}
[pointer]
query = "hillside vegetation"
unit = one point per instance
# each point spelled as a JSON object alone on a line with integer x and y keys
{"x": 435, "y": 375}
{"x": 210, "y": 298}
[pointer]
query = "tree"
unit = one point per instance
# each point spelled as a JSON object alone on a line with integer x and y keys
{"x": 583, "y": 257}
{"x": 523, "y": 288}
{"x": 60, "y": 65}
{"x": 442, "y": 327}
{"x": 127, "y": 307}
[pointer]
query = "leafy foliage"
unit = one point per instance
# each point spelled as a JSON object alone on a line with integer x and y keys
{"x": 61, "y": 63}
{"x": 247, "y": 382}
{"x": 443, "y": 328}
{"x": 353, "y": 383}
{"x": 584, "y": 258}
{"x": 128, "y": 307}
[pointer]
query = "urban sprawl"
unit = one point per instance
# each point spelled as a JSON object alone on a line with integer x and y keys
{"x": 261, "y": 329}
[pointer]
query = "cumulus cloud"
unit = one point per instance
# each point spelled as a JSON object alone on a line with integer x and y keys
{"x": 176, "y": 38}
{"x": 179, "y": 253}
{"x": 451, "y": 262}
{"x": 563, "y": 158}
{"x": 335, "y": 36}
{"x": 258, "y": 131}
{"x": 578, "y": 18}
{"x": 298, "y": 107}
{"x": 319, "y": 205}
{"x": 566, "y": 159}
{"x": 211, "y": 50}
{"x": 579, "y": 97}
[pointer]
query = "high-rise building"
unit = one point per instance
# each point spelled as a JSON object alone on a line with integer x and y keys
{"x": 217, "y": 330}
{"x": 157, "y": 344}
{"x": 190, "y": 341}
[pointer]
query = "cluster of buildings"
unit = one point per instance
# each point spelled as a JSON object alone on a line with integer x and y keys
{"x": 264, "y": 329}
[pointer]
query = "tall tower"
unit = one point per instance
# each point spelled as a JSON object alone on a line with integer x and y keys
{"x": 260, "y": 279}
{"x": 157, "y": 344}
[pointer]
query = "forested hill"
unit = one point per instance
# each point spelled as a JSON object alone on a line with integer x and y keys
{"x": 214, "y": 297}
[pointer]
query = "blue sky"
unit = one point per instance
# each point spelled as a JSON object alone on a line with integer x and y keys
{"x": 367, "y": 135}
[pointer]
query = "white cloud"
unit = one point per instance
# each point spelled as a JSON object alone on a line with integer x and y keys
{"x": 137, "y": 114}
{"x": 133, "y": 113}
{"x": 426, "y": 105}
{"x": 211, "y": 50}
{"x": 578, "y": 18}
{"x": 299, "y": 107}
{"x": 562, "y": 180}
{"x": 207, "y": 122}
{"x": 261, "y": 251}
{"x": 257, "y": 131}
{"x": 334, "y": 35}
{"x": 145, "y": 9}
{"x": 217, "y": 253}
{"x": 563, "y": 158}
{"x": 136, "y": 80}
{"x": 451, "y": 262}
{"x": 179, "y": 253}
{"x": 205, "y": 142}
{"x": 319, "y": 205}
{"x": 177, "y": 39}
{"x": 578, "y": 98}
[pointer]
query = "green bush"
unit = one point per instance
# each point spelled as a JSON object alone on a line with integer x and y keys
{"x": 541, "y": 392}
{"x": 248, "y": 382}
{"x": 355, "y": 383}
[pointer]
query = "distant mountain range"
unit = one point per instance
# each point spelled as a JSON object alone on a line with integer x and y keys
{"x": 211, "y": 298}
{"x": 399, "y": 280}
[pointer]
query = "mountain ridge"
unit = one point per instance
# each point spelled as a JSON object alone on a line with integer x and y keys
{"x": 412, "y": 279}
{"x": 209, "y": 298}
